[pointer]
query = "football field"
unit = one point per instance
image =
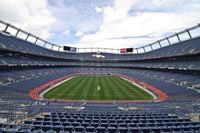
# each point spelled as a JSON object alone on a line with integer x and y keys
{"x": 97, "y": 87}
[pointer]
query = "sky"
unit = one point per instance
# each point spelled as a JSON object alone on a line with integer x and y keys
{"x": 101, "y": 23}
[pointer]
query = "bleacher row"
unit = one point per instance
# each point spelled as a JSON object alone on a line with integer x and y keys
{"x": 189, "y": 63}
{"x": 179, "y": 64}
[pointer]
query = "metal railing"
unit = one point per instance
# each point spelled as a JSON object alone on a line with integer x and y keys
{"x": 170, "y": 40}
{"x": 186, "y": 34}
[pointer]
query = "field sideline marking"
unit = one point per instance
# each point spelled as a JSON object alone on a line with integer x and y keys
{"x": 53, "y": 86}
{"x": 161, "y": 95}
{"x": 141, "y": 87}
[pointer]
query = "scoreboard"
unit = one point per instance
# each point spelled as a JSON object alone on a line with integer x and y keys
{"x": 126, "y": 50}
{"x": 72, "y": 49}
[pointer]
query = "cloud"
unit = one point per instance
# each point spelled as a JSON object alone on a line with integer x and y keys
{"x": 153, "y": 19}
{"x": 32, "y": 16}
{"x": 76, "y": 16}
{"x": 79, "y": 34}
{"x": 98, "y": 9}
{"x": 113, "y": 43}
{"x": 66, "y": 32}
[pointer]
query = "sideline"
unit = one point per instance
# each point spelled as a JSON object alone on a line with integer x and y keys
{"x": 141, "y": 87}
{"x": 53, "y": 86}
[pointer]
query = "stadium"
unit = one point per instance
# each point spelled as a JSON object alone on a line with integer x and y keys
{"x": 50, "y": 88}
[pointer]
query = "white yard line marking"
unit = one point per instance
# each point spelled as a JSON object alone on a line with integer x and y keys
{"x": 141, "y": 87}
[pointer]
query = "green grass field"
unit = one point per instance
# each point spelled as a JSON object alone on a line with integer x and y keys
{"x": 97, "y": 87}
